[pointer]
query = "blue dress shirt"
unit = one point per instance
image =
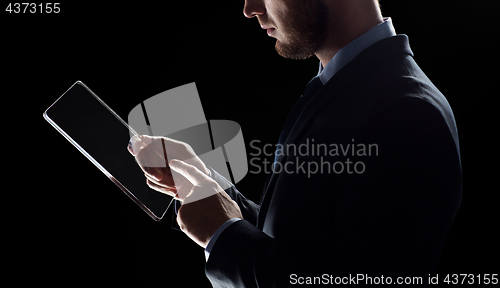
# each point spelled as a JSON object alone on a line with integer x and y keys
{"x": 351, "y": 50}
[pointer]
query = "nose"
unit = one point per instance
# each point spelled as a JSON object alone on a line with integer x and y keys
{"x": 254, "y": 8}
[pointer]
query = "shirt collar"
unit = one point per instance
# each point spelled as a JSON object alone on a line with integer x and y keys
{"x": 351, "y": 50}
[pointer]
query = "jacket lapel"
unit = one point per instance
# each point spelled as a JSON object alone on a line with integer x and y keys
{"x": 356, "y": 69}
{"x": 322, "y": 97}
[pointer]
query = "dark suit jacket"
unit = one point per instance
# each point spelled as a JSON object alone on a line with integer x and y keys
{"x": 392, "y": 219}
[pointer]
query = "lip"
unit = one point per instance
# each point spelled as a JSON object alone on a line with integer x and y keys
{"x": 270, "y": 30}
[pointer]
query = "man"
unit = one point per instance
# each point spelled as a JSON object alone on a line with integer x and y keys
{"x": 372, "y": 198}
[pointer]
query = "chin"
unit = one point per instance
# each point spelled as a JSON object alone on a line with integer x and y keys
{"x": 291, "y": 51}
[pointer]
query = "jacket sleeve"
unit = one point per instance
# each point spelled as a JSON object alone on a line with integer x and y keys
{"x": 390, "y": 220}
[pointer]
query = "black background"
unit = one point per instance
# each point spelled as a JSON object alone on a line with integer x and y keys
{"x": 67, "y": 224}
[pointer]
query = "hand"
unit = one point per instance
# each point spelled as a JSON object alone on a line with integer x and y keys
{"x": 206, "y": 206}
{"x": 153, "y": 153}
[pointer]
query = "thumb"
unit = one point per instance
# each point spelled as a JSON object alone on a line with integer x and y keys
{"x": 190, "y": 172}
{"x": 196, "y": 177}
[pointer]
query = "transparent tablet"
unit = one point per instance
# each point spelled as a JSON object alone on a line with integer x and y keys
{"x": 102, "y": 136}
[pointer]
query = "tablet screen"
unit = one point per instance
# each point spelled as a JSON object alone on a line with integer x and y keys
{"x": 102, "y": 136}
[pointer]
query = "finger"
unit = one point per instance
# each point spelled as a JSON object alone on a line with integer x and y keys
{"x": 136, "y": 143}
{"x": 151, "y": 155}
{"x": 167, "y": 182}
{"x": 152, "y": 172}
{"x": 178, "y": 193}
{"x": 130, "y": 146}
{"x": 190, "y": 172}
{"x": 169, "y": 143}
{"x": 184, "y": 190}
{"x": 155, "y": 180}
{"x": 140, "y": 141}
{"x": 169, "y": 191}
{"x": 145, "y": 140}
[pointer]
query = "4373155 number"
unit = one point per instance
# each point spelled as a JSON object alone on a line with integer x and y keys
{"x": 471, "y": 279}
{"x": 33, "y": 8}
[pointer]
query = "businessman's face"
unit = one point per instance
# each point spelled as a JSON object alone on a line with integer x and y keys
{"x": 299, "y": 26}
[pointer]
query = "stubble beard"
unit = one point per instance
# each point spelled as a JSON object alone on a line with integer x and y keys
{"x": 305, "y": 32}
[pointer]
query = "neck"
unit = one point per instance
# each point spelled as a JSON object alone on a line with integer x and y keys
{"x": 346, "y": 23}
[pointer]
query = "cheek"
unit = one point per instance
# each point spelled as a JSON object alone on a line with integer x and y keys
{"x": 276, "y": 13}
{"x": 281, "y": 27}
